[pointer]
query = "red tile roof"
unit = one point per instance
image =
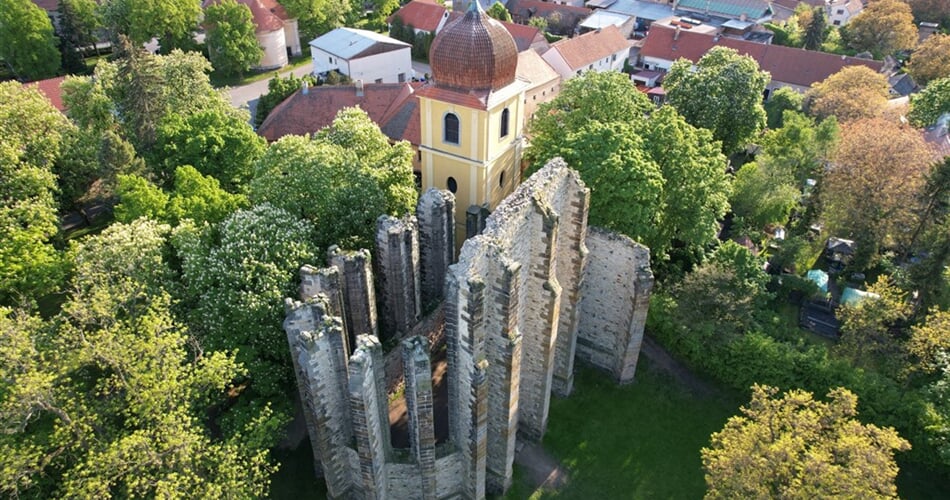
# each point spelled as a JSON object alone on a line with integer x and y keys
{"x": 786, "y": 64}
{"x": 268, "y": 15}
{"x": 47, "y": 5}
{"x": 392, "y": 106}
{"x": 529, "y": 8}
{"x": 592, "y": 46}
{"x": 422, "y": 15}
{"x": 50, "y": 88}
{"x": 477, "y": 99}
{"x": 524, "y": 35}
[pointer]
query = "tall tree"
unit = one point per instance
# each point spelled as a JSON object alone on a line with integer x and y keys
{"x": 815, "y": 29}
{"x": 316, "y": 17}
{"x": 27, "y": 44}
{"x": 78, "y": 23}
{"x": 763, "y": 194}
{"x": 231, "y": 39}
{"x": 883, "y": 27}
{"x": 796, "y": 447}
{"x": 868, "y": 333}
{"x": 109, "y": 398}
{"x": 800, "y": 147}
{"x": 783, "y": 99}
{"x": 931, "y": 60}
{"x": 928, "y": 106}
{"x": 723, "y": 94}
{"x": 871, "y": 191}
{"x": 852, "y": 93}
{"x": 932, "y": 11}
{"x": 173, "y": 22}
{"x": 499, "y": 12}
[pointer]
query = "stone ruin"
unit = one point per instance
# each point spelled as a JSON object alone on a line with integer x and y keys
{"x": 534, "y": 291}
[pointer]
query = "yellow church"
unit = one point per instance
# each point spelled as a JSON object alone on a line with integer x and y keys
{"x": 465, "y": 123}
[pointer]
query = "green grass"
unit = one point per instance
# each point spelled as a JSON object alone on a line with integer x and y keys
{"x": 635, "y": 441}
{"x": 235, "y": 81}
{"x": 295, "y": 479}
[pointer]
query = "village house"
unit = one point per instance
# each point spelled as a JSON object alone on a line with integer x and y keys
{"x": 362, "y": 55}
{"x": 841, "y": 11}
{"x": 797, "y": 69}
{"x": 601, "y": 50}
{"x": 562, "y": 19}
{"x": 754, "y": 11}
{"x": 644, "y": 12}
{"x": 275, "y": 29}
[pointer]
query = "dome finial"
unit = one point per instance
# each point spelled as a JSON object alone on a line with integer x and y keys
{"x": 475, "y": 6}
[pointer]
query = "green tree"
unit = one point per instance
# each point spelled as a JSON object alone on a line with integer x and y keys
{"x": 852, "y": 93}
{"x": 934, "y": 11}
{"x": 27, "y": 43}
{"x": 139, "y": 198}
{"x": 280, "y": 88}
{"x": 499, "y": 12}
{"x": 800, "y": 147}
{"x": 763, "y": 195}
{"x": 929, "y": 105}
{"x": 929, "y": 341}
{"x": 341, "y": 181}
{"x": 539, "y": 22}
{"x": 723, "y": 94}
{"x": 796, "y": 447}
{"x": 781, "y": 100}
{"x": 931, "y": 60}
{"x": 868, "y": 333}
{"x": 236, "y": 274}
{"x": 883, "y": 27}
{"x": 78, "y": 23}
{"x": 232, "y": 42}
{"x": 200, "y": 198}
{"x": 815, "y": 30}
{"x": 316, "y": 17}
{"x": 173, "y": 22}
{"x": 871, "y": 191}
{"x": 115, "y": 376}
{"x": 218, "y": 141}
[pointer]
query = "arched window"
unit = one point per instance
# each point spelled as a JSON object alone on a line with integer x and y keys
{"x": 504, "y": 122}
{"x": 450, "y": 128}
{"x": 451, "y": 184}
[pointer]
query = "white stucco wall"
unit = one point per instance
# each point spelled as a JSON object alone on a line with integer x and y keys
{"x": 292, "y": 36}
{"x": 385, "y": 67}
{"x": 275, "y": 49}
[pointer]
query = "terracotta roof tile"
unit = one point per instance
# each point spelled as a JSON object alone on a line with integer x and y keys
{"x": 582, "y": 50}
{"x": 268, "y": 15}
{"x": 50, "y": 88}
{"x": 534, "y": 69}
{"x": 477, "y": 99}
{"x": 422, "y": 15}
{"x": 47, "y": 5}
{"x": 524, "y": 35}
{"x": 786, "y": 64}
{"x": 302, "y": 114}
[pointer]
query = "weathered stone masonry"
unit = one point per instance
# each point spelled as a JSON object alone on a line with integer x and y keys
{"x": 535, "y": 289}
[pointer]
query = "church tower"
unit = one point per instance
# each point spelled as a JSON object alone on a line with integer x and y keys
{"x": 472, "y": 116}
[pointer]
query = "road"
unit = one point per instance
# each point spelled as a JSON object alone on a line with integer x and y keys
{"x": 247, "y": 95}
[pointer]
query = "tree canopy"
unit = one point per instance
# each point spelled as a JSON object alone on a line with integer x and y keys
{"x": 852, "y": 93}
{"x": 231, "y": 39}
{"x": 931, "y": 60}
{"x": 723, "y": 94}
{"x": 27, "y": 43}
{"x": 499, "y": 12}
{"x": 929, "y": 105}
{"x": 883, "y": 27}
{"x": 79, "y": 21}
{"x": 173, "y": 22}
{"x": 796, "y": 447}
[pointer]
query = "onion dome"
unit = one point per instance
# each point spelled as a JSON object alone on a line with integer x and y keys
{"x": 474, "y": 52}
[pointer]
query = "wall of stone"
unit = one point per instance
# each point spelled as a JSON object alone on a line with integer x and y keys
{"x": 435, "y": 214}
{"x": 359, "y": 295}
{"x": 615, "y": 297}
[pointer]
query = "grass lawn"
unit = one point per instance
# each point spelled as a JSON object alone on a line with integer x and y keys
{"x": 636, "y": 441}
{"x": 235, "y": 81}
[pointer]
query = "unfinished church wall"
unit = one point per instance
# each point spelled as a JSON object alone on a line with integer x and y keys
{"x": 516, "y": 307}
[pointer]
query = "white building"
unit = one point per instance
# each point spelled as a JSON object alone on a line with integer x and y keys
{"x": 841, "y": 11}
{"x": 362, "y": 55}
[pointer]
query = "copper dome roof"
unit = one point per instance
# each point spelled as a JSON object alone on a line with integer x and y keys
{"x": 474, "y": 52}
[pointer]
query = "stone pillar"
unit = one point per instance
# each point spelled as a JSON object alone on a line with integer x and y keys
{"x": 571, "y": 259}
{"x": 539, "y": 328}
{"x": 478, "y": 441}
{"x": 397, "y": 266}
{"x": 371, "y": 442}
{"x": 436, "y": 216}
{"x": 419, "y": 405}
{"x": 359, "y": 295}
{"x": 325, "y": 281}
{"x": 475, "y": 218}
{"x": 630, "y": 346}
{"x": 317, "y": 345}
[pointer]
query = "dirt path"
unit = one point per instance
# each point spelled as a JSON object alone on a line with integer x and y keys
{"x": 662, "y": 360}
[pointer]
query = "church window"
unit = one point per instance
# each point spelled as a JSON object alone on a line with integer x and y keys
{"x": 450, "y": 128}
{"x": 504, "y": 122}
{"x": 451, "y": 184}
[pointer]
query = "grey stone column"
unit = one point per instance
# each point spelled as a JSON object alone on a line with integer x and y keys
{"x": 419, "y": 405}
{"x": 436, "y": 216}
{"x": 397, "y": 266}
{"x": 371, "y": 441}
{"x": 325, "y": 281}
{"x": 359, "y": 294}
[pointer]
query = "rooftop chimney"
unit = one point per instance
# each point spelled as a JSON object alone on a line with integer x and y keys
{"x": 305, "y": 87}
{"x": 676, "y": 35}
{"x": 359, "y": 88}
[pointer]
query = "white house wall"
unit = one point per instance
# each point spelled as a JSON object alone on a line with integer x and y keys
{"x": 324, "y": 61}
{"x": 386, "y": 67}
{"x": 292, "y": 36}
{"x": 275, "y": 49}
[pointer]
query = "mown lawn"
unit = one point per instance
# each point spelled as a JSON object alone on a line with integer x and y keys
{"x": 636, "y": 441}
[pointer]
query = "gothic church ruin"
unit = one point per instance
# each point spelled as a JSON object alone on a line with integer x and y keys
{"x": 535, "y": 291}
